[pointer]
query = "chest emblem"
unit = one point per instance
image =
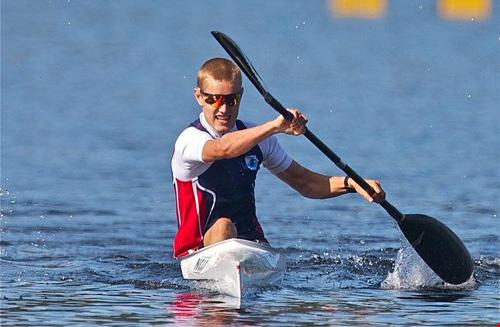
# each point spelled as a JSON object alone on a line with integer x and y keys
{"x": 252, "y": 162}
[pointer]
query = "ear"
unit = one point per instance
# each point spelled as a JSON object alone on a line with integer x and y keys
{"x": 198, "y": 96}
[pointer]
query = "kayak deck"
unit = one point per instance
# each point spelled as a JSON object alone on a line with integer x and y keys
{"x": 236, "y": 265}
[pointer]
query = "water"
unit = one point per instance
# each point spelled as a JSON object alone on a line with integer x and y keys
{"x": 94, "y": 94}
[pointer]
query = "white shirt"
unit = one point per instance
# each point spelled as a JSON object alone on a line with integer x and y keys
{"x": 187, "y": 162}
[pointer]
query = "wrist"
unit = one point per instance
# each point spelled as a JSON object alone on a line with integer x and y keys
{"x": 274, "y": 127}
{"x": 348, "y": 187}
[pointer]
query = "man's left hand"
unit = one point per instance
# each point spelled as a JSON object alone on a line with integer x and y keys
{"x": 379, "y": 195}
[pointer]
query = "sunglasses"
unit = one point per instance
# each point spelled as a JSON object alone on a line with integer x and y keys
{"x": 217, "y": 100}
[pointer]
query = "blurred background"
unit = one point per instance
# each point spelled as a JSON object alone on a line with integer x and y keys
{"x": 94, "y": 94}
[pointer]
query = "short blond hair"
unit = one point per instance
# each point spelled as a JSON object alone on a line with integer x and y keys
{"x": 220, "y": 69}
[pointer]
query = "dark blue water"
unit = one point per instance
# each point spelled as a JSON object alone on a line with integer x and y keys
{"x": 94, "y": 94}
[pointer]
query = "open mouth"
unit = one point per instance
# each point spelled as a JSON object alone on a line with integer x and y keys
{"x": 223, "y": 119}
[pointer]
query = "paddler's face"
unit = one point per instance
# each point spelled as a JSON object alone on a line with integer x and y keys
{"x": 220, "y": 102}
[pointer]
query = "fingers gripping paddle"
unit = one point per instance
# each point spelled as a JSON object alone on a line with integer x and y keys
{"x": 438, "y": 246}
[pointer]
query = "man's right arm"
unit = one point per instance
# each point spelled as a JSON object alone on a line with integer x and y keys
{"x": 236, "y": 143}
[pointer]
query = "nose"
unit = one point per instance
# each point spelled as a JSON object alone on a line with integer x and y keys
{"x": 223, "y": 108}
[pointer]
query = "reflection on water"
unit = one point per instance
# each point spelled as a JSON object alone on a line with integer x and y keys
{"x": 203, "y": 309}
{"x": 339, "y": 307}
{"x": 436, "y": 296}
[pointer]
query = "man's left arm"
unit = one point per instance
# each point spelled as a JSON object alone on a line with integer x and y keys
{"x": 316, "y": 186}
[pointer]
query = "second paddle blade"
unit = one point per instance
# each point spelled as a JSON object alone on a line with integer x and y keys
{"x": 440, "y": 248}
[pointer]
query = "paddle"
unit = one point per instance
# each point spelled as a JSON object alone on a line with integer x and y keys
{"x": 438, "y": 246}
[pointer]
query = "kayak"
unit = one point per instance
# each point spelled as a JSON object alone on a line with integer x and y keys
{"x": 235, "y": 265}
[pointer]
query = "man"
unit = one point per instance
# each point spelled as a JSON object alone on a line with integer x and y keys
{"x": 217, "y": 157}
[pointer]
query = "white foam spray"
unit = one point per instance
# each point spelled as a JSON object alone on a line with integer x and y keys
{"x": 411, "y": 272}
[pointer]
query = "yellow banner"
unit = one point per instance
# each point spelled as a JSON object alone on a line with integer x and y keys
{"x": 370, "y": 9}
{"x": 464, "y": 9}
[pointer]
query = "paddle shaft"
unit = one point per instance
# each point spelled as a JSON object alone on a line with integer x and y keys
{"x": 423, "y": 232}
{"x": 391, "y": 210}
{"x": 245, "y": 65}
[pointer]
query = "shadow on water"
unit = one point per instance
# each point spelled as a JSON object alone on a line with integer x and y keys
{"x": 437, "y": 296}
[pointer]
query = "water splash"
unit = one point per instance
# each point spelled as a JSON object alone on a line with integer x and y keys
{"x": 411, "y": 272}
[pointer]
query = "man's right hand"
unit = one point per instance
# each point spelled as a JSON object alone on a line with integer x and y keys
{"x": 294, "y": 127}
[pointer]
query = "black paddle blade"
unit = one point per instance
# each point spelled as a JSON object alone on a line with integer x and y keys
{"x": 440, "y": 248}
{"x": 240, "y": 59}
